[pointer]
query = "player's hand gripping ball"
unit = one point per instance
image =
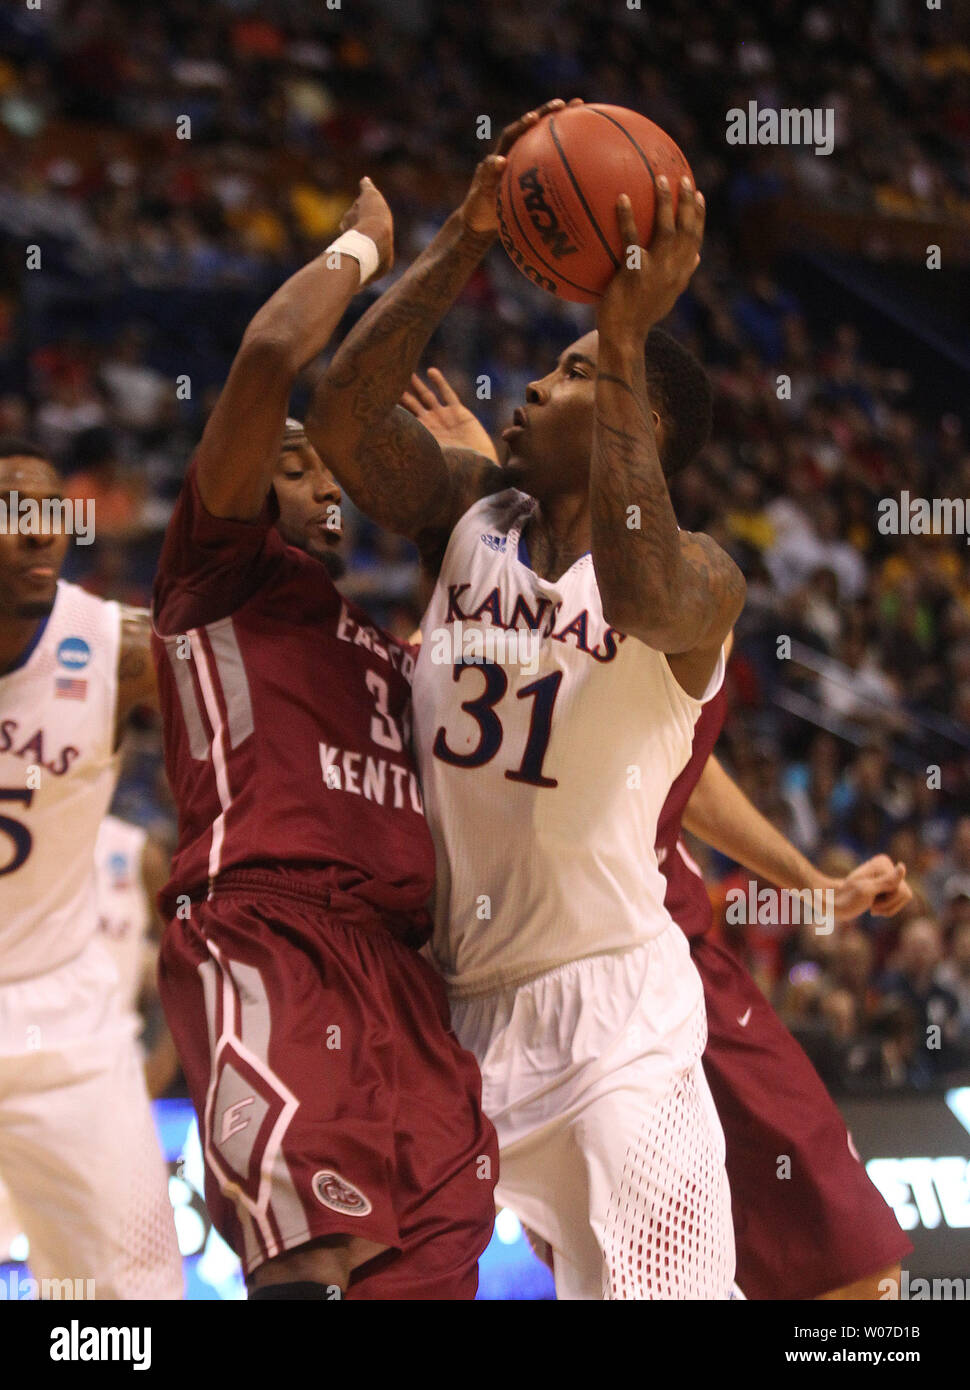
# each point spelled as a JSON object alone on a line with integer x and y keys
{"x": 558, "y": 194}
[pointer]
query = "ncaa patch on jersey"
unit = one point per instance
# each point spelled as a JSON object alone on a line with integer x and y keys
{"x": 118, "y": 871}
{"x": 74, "y": 653}
{"x": 335, "y": 1192}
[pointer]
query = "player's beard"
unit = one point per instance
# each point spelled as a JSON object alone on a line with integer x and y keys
{"x": 334, "y": 563}
{"x": 35, "y": 608}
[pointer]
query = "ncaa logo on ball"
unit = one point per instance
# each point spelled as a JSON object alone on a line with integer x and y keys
{"x": 542, "y": 216}
{"x": 338, "y": 1194}
{"x": 74, "y": 653}
{"x": 534, "y": 274}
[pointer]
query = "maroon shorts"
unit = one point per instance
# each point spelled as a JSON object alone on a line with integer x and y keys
{"x": 826, "y": 1225}
{"x": 332, "y": 1096}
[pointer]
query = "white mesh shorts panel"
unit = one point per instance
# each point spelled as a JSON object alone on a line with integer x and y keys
{"x": 611, "y": 1149}
{"x": 78, "y": 1147}
{"x": 148, "y": 1263}
{"x": 668, "y": 1231}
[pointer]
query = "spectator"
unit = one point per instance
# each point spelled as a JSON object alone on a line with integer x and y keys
{"x": 914, "y": 980}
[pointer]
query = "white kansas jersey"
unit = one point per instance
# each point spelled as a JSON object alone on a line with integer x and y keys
{"x": 57, "y": 775}
{"x": 545, "y": 766}
{"x": 124, "y": 913}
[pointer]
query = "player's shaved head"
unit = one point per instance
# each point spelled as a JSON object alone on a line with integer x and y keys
{"x": 30, "y": 562}
{"x": 16, "y": 451}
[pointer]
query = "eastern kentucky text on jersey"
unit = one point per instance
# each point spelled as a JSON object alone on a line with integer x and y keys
{"x": 287, "y": 718}
{"x": 358, "y": 773}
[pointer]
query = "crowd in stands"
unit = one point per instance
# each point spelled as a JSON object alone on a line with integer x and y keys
{"x": 174, "y": 162}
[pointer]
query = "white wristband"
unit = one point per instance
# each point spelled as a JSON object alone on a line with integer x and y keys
{"x": 361, "y": 248}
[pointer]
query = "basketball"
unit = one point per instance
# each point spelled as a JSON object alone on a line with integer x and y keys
{"x": 557, "y": 198}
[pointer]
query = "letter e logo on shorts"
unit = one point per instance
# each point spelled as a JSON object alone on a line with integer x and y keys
{"x": 234, "y": 1118}
{"x": 338, "y": 1194}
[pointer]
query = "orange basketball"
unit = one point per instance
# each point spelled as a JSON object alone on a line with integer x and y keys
{"x": 557, "y": 198}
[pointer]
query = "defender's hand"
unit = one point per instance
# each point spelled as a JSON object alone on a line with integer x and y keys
{"x": 478, "y": 210}
{"x": 878, "y": 886}
{"x": 440, "y": 410}
{"x": 636, "y": 299}
{"x": 371, "y": 216}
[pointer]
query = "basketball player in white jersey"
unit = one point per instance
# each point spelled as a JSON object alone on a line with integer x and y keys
{"x": 545, "y": 760}
{"x": 124, "y": 908}
{"x": 131, "y": 867}
{"x": 78, "y": 1151}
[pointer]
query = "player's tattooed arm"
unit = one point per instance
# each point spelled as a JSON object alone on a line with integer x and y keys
{"x": 466, "y": 449}
{"x": 136, "y": 670}
{"x": 389, "y": 465}
{"x": 676, "y": 591}
{"x": 240, "y": 446}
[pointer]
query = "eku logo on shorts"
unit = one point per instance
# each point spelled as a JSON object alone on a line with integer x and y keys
{"x": 74, "y": 653}
{"x": 338, "y": 1194}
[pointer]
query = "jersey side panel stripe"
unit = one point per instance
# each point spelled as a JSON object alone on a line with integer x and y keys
{"x": 199, "y": 738}
{"x": 232, "y": 677}
{"x": 689, "y": 859}
{"x": 219, "y": 762}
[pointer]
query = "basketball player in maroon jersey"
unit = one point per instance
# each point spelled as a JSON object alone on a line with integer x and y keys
{"x": 346, "y": 1153}
{"x": 824, "y": 1232}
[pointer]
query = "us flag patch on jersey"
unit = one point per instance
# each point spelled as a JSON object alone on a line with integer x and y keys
{"x": 70, "y": 688}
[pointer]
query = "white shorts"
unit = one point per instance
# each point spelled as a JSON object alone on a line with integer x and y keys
{"x": 610, "y": 1146}
{"x": 79, "y": 1155}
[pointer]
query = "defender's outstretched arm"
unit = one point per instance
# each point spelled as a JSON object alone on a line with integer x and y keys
{"x": 720, "y": 814}
{"x": 239, "y": 448}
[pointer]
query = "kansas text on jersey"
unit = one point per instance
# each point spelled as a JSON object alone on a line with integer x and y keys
{"x": 544, "y": 762}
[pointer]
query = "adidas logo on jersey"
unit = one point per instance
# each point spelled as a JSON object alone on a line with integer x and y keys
{"x": 493, "y": 542}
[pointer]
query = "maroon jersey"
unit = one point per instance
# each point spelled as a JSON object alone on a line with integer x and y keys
{"x": 287, "y": 722}
{"x": 686, "y": 898}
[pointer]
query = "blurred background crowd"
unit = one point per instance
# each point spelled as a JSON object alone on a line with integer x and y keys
{"x": 175, "y": 162}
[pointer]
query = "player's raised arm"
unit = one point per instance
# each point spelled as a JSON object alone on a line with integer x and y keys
{"x": 239, "y": 449}
{"x": 389, "y": 464}
{"x": 720, "y": 814}
{"x": 678, "y": 592}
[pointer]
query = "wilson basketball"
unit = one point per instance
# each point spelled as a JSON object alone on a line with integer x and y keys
{"x": 557, "y": 198}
